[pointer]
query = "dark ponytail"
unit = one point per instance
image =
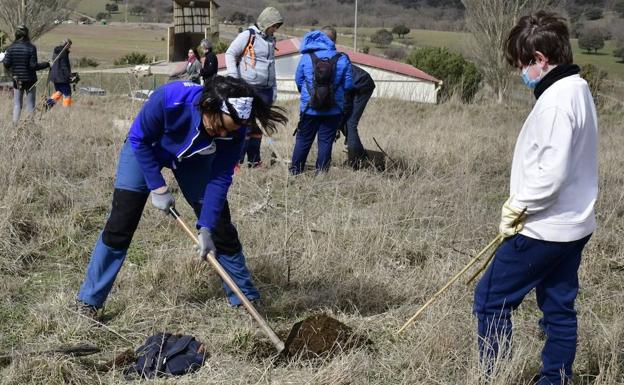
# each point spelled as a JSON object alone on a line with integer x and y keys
{"x": 220, "y": 88}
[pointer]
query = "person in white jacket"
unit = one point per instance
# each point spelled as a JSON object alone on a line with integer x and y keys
{"x": 251, "y": 57}
{"x": 549, "y": 216}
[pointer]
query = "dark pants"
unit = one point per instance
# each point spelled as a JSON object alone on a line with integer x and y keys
{"x": 521, "y": 264}
{"x": 353, "y": 114}
{"x": 252, "y": 145}
{"x": 129, "y": 198}
{"x": 308, "y": 128}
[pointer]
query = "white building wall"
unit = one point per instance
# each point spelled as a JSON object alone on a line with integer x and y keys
{"x": 389, "y": 84}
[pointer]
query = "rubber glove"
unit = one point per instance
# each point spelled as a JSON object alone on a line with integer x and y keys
{"x": 163, "y": 200}
{"x": 206, "y": 245}
{"x": 512, "y": 220}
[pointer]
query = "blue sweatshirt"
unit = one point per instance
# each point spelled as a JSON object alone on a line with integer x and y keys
{"x": 323, "y": 47}
{"x": 168, "y": 130}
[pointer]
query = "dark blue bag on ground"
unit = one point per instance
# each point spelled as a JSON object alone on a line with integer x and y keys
{"x": 165, "y": 354}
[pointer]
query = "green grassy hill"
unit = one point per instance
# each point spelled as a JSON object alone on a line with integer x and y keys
{"x": 461, "y": 42}
{"x": 455, "y": 41}
{"x": 93, "y": 7}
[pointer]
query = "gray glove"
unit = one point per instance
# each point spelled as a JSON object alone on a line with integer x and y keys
{"x": 206, "y": 245}
{"x": 163, "y": 201}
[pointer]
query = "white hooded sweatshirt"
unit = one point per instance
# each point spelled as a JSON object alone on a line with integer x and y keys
{"x": 554, "y": 173}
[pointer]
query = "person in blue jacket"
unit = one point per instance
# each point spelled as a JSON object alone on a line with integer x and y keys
{"x": 197, "y": 132}
{"x": 321, "y": 104}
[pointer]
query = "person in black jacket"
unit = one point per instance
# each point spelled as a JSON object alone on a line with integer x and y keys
{"x": 21, "y": 60}
{"x": 61, "y": 75}
{"x": 211, "y": 65}
{"x": 355, "y": 103}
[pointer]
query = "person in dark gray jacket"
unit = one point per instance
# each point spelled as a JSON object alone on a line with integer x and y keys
{"x": 21, "y": 59}
{"x": 355, "y": 103}
{"x": 211, "y": 64}
{"x": 61, "y": 75}
{"x": 251, "y": 57}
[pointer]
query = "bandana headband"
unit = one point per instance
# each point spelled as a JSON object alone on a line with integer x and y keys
{"x": 242, "y": 106}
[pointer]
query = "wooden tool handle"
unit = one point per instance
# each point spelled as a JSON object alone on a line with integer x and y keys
{"x": 279, "y": 345}
{"x": 449, "y": 283}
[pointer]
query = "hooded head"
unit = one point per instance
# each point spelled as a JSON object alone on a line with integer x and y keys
{"x": 268, "y": 18}
{"x": 22, "y": 33}
{"x": 316, "y": 41}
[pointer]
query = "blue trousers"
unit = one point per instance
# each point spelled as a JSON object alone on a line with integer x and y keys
{"x": 309, "y": 126}
{"x": 521, "y": 264}
{"x": 252, "y": 146}
{"x": 129, "y": 199}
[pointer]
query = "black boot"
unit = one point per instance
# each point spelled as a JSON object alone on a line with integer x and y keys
{"x": 356, "y": 158}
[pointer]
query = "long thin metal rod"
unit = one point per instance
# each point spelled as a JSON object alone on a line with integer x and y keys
{"x": 498, "y": 238}
{"x": 279, "y": 345}
{"x": 51, "y": 64}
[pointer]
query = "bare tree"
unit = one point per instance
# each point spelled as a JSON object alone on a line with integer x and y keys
{"x": 490, "y": 21}
{"x": 37, "y": 15}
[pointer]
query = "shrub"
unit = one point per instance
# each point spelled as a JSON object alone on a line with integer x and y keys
{"x": 101, "y": 16}
{"x": 576, "y": 29}
{"x": 591, "y": 40}
{"x": 618, "y": 52}
{"x": 111, "y": 8}
{"x": 400, "y": 30}
{"x": 594, "y": 13}
{"x": 382, "y": 38}
{"x": 595, "y": 77}
{"x": 87, "y": 62}
{"x": 237, "y": 17}
{"x": 365, "y": 49}
{"x": 133, "y": 58}
{"x": 619, "y": 7}
{"x": 395, "y": 53}
{"x": 457, "y": 73}
{"x": 138, "y": 10}
{"x": 220, "y": 47}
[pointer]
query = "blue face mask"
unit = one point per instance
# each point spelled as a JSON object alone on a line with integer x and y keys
{"x": 531, "y": 83}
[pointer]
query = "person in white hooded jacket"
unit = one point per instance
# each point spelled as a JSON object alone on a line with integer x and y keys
{"x": 549, "y": 216}
{"x": 251, "y": 57}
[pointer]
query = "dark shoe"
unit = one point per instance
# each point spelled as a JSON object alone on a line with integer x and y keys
{"x": 356, "y": 159}
{"x": 87, "y": 310}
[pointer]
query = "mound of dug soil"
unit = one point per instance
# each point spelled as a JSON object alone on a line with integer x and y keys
{"x": 318, "y": 336}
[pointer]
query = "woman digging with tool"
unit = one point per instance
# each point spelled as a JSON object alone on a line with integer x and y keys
{"x": 198, "y": 132}
{"x": 554, "y": 178}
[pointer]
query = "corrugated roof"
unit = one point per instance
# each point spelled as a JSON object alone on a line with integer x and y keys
{"x": 291, "y": 46}
{"x": 198, "y": 3}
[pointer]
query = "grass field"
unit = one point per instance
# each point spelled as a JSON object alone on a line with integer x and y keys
{"x": 109, "y": 42}
{"x": 93, "y": 7}
{"x": 461, "y": 42}
{"x": 366, "y": 247}
{"x": 106, "y": 43}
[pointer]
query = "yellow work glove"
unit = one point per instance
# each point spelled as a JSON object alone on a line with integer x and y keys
{"x": 512, "y": 220}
